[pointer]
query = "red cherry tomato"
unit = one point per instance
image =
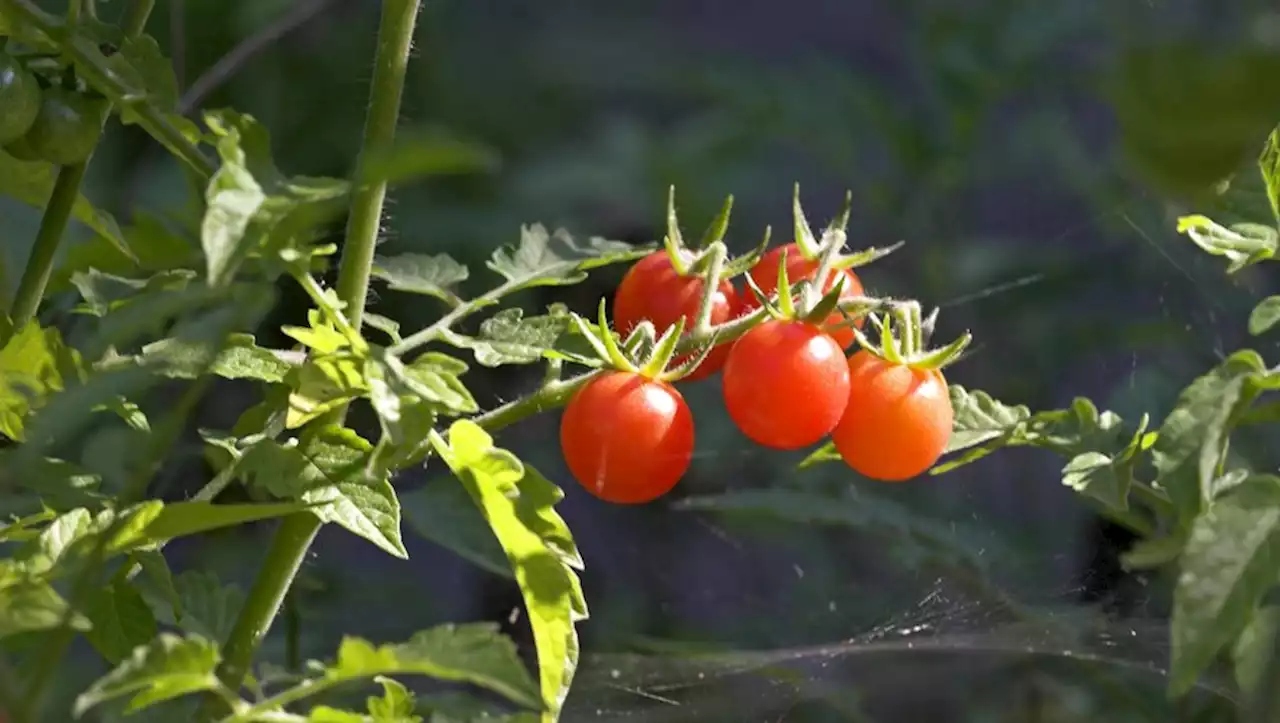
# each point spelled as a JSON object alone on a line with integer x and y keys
{"x": 898, "y": 420}
{"x": 627, "y": 439}
{"x": 786, "y": 384}
{"x": 653, "y": 290}
{"x": 765, "y": 274}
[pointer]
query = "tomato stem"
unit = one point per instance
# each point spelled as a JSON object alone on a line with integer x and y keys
{"x": 832, "y": 242}
{"x": 35, "y": 277}
{"x": 294, "y": 536}
{"x": 715, "y": 256}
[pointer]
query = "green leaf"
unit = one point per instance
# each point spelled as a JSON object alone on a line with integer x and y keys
{"x": 980, "y": 419}
{"x": 251, "y": 206}
{"x": 157, "y": 585}
{"x": 426, "y": 152}
{"x": 1192, "y": 439}
{"x": 474, "y": 653}
{"x": 105, "y": 292}
{"x": 168, "y": 667}
{"x": 326, "y": 714}
{"x": 1265, "y": 315}
{"x": 181, "y": 519}
{"x": 121, "y": 620}
{"x": 156, "y": 247}
{"x": 826, "y": 453}
{"x": 544, "y": 259}
{"x": 387, "y": 326}
{"x": 1232, "y": 559}
{"x": 320, "y": 334}
{"x": 330, "y": 470}
{"x": 31, "y": 606}
{"x": 1255, "y": 646}
{"x": 239, "y": 358}
{"x": 32, "y": 183}
{"x": 443, "y": 512}
{"x": 33, "y": 365}
{"x": 508, "y": 337}
{"x": 1269, "y": 165}
{"x": 206, "y": 607}
{"x": 1241, "y": 244}
{"x": 154, "y": 75}
{"x": 434, "y": 377}
{"x": 322, "y": 384}
{"x": 519, "y": 505}
{"x": 1099, "y": 476}
{"x": 432, "y": 275}
{"x": 396, "y": 705}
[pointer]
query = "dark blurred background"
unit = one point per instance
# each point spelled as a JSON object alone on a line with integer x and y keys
{"x": 994, "y": 136}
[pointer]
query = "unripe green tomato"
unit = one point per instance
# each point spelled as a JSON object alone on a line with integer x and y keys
{"x": 19, "y": 99}
{"x": 67, "y": 128}
{"x": 21, "y": 149}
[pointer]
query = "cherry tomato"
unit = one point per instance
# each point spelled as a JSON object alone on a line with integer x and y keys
{"x": 898, "y": 420}
{"x": 786, "y": 384}
{"x": 627, "y": 439}
{"x": 654, "y": 290}
{"x": 765, "y": 274}
{"x": 67, "y": 128}
{"x": 19, "y": 99}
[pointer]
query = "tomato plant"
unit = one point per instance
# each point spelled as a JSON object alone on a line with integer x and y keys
{"x": 654, "y": 290}
{"x": 627, "y": 438}
{"x": 800, "y": 268}
{"x": 898, "y": 419}
{"x": 786, "y": 384}
{"x": 19, "y": 99}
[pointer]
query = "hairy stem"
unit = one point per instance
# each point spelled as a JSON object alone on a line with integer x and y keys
{"x": 711, "y": 286}
{"x": 52, "y": 225}
{"x": 295, "y": 534}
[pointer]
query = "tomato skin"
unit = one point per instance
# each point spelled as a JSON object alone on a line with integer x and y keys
{"x": 652, "y": 289}
{"x": 19, "y": 99}
{"x": 898, "y": 420}
{"x": 67, "y": 128}
{"x": 786, "y": 384}
{"x": 627, "y": 439}
{"x": 765, "y": 274}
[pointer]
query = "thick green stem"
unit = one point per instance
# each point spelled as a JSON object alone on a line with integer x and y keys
{"x": 294, "y": 537}
{"x": 52, "y": 225}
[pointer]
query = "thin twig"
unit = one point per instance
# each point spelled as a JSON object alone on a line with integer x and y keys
{"x": 249, "y": 48}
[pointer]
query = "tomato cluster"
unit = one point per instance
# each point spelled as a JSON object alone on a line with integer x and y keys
{"x": 44, "y": 121}
{"x": 786, "y": 384}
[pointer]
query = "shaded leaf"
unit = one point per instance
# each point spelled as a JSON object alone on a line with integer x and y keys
{"x": 206, "y": 607}
{"x": 1255, "y": 646}
{"x": 1231, "y": 560}
{"x": 103, "y": 292}
{"x": 32, "y": 183}
{"x": 509, "y": 337}
{"x": 121, "y": 620}
{"x": 239, "y": 358}
{"x": 31, "y": 606}
{"x": 426, "y": 152}
{"x": 168, "y": 667}
{"x": 443, "y": 512}
{"x": 429, "y": 274}
{"x": 979, "y": 418}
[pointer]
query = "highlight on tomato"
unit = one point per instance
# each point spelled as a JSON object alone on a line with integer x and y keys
{"x": 799, "y": 268}
{"x": 627, "y": 438}
{"x": 654, "y": 290}
{"x": 786, "y": 384}
{"x": 897, "y": 422}
{"x": 19, "y": 99}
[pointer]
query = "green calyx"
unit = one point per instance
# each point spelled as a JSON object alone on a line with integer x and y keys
{"x": 698, "y": 258}
{"x": 904, "y": 334}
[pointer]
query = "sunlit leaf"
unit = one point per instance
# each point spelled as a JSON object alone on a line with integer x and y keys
{"x": 30, "y": 606}
{"x": 544, "y": 259}
{"x": 429, "y": 274}
{"x": 33, "y": 364}
{"x": 1265, "y": 315}
{"x": 329, "y": 470}
{"x": 519, "y": 505}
